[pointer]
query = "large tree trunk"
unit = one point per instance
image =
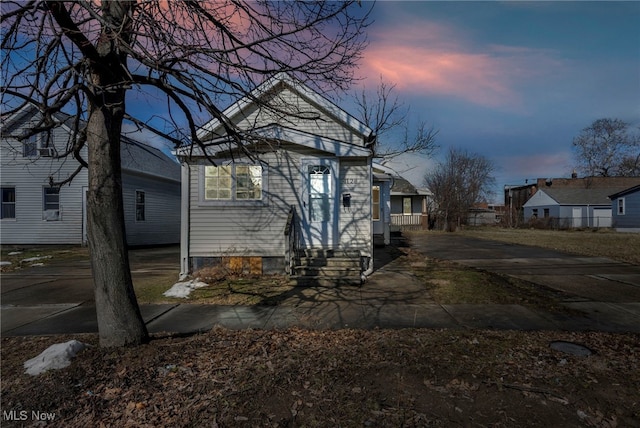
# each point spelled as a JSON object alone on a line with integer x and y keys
{"x": 119, "y": 320}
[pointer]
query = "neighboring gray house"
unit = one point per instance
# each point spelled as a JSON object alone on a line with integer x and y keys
{"x": 381, "y": 205}
{"x": 34, "y": 212}
{"x": 570, "y": 207}
{"x": 625, "y": 206}
{"x": 409, "y": 206}
{"x": 308, "y": 186}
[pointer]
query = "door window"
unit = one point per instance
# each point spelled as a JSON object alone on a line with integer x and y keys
{"x": 319, "y": 193}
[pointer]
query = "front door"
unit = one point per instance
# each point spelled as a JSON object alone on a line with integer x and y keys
{"x": 318, "y": 203}
{"x": 577, "y": 217}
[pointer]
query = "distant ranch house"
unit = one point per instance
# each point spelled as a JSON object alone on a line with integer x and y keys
{"x": 36, "y": 211}
{"x": 571, "y": 207}
{"x": 297, "y": 198}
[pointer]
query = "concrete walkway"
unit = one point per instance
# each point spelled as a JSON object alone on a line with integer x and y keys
{"x": 57, "y": 299}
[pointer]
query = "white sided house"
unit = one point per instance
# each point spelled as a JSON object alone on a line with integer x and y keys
{"x": 297, "y": 199}
{"x": 35, "y": 212}
{"x": 570, "y": 207}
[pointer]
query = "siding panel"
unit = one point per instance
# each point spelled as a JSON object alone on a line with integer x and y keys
{"x": 30, "y": 176}
{"x": 319, "y": 123}
{"x": 247, "y": 230}
{"x": 259, "y": 231}
{"x": 162, "y": 210}
{"x": 354, "y": 227}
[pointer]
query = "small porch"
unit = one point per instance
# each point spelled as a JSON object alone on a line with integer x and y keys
{"x": 400, "y": 222}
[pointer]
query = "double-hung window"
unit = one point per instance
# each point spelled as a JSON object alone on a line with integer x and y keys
{"x": 620, "y": 206}
{"x": 140, "y": 205}
{"x": 8, "y": 202}
{"x": 375, "y": 202}
{"x": 234, "y": 182}
{"x": 30, "y": 146}
{"x": 51, "y": 203}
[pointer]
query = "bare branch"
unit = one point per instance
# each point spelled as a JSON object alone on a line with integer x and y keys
{"x": 386, "y": 115}
{"x": 606, "y": 148}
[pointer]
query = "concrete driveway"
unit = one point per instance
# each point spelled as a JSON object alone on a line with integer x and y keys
{"x": 70, "y": 281}
{"x": 589, "y": 284}
{"x": 58, "y": 298}
{"x": 584, "y": 278}
{"x": 64, "y": 288}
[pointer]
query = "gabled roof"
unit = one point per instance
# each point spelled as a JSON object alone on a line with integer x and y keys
{"x": 577, "y": 196}
{"x": 142, "y": 158}
{"x": 137, "y": 156}
{"x": 9, "y": 123}
{"x": 323, "y": 103}
{"x": 402, "y": 186}
{"x": 279, "y": 132}
{"x": 625, "y": 192}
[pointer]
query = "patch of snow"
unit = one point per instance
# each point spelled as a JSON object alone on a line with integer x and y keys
{"x": 15, "y": 253}
{"x": 5, "y": 263}
{"x": 35, "y": 259}
{"x": 56, "y": 356}
{"x": 36, "y": 264}
{"x": 183, "y": 289}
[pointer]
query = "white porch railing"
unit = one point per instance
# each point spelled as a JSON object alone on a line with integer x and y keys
{"x": 406, "y": 220}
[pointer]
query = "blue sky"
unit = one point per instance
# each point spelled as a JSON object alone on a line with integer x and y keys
{"x": 513, "y": 81}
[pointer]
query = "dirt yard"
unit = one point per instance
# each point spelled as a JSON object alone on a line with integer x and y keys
{"x": 347, "y": 378}
{"x": 332, "y": 378}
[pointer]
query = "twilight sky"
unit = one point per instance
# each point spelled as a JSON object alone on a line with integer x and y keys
{"x": 513, "y": 81}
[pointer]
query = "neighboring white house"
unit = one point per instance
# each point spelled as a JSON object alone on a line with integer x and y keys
{"x": 307, "y": 185}
{"x": 34, "y": 212}
{"x": 570, "y": 207}
{"x": 625, "y": 206}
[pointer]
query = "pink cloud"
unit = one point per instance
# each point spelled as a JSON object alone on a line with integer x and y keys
{"x": 429, "y": 59}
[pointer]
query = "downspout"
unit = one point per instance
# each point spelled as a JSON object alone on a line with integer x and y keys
{"x": 369, "y": 270}
{"x": 185, "y": 219}
{"x": 371, "y": 140}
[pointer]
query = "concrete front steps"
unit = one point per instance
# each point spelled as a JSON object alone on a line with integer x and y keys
{"x": 326, "y": 268}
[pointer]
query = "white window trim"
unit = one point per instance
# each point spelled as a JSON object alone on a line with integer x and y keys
{"x": 624, "y": 206}
{"x": 410, "y": 199}
{"x": 50, "y": 215}
{"x": 379, "y": 203}
{"x": 15, "y": 197}
{"x": 135, "y": 205}
{"x": 32, "y": 140}
{"x": 202, "y": 201}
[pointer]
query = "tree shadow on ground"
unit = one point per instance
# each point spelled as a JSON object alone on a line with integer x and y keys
{"x": 392, "y": 283}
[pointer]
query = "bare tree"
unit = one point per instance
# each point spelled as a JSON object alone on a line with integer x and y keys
{"x": 386, "y": 115}
{"x": 462, "y": 180}
{"x": 87, "y": 59}
{"x": 606, "y": 148}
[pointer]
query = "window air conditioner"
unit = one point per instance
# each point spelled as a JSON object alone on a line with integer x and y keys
{"x": 46, "y": 152}
{"x": 51, "y": 215}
